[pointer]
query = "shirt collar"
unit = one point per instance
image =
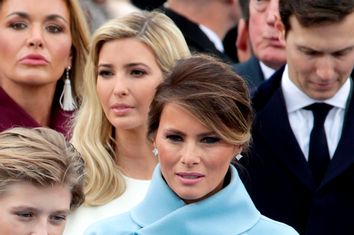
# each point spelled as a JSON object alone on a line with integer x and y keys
{"x": 266, "y": 70}
{"x": 213, "y": 37}
{"x": 296, "y": 99}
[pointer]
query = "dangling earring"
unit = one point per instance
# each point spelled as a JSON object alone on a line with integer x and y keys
{"x": 67, "y": 101}
{"x": 155, "y": 152}
{"x": 238, "y": 157}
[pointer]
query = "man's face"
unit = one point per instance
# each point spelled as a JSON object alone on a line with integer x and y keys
{"x": 263, "y": 34}
{"x": 320, "y": 58}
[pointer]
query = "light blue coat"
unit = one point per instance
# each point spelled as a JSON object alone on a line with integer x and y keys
{"x": 162, "y": 212}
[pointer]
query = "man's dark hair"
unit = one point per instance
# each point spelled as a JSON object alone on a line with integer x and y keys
{"x": 314, "y": 12}
{"x": 245, "y": 9}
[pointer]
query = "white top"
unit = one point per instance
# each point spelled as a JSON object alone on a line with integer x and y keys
{"x": 301, "y": 120}
{"x": 85, "y": 216}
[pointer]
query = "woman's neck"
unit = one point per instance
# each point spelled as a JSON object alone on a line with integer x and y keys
{"x": 134, "y": 153}
{"x": 36, "y": 101}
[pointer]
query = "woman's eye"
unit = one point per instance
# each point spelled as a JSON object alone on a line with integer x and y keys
{"x": 137, "y": 73}
{"x": 174, "y": 138}
{"x": 18, "y": 25}
{"x": 105, "y": 73}
{"x": 54, "y": 29}
{"x": 210, "y": 140}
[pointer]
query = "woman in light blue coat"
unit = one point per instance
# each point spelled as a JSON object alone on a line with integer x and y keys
{"x": 199, "y": 122}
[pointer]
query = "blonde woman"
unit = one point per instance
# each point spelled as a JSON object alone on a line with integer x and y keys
{"x": 41, "y": 50}
{"x": 129, "y": 57}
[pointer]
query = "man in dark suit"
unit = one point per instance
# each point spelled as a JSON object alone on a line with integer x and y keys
{"x": 301, "y": 162}
{"x": 257, "y": 30}
{"x": 204, "y": 23}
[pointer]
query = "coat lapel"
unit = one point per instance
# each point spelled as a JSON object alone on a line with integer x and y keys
{"x": 271, "y": 106}
{"x": 344, "y": 155}
{"x": 162, "y": 212}
{"x": 281, "y": 133}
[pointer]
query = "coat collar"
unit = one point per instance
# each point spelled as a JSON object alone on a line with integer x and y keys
{"x": 13, "y": 115}
{"x": 281, "y": 134}
{"x": 343, "y": 156}
{"x": 218, "y": 214}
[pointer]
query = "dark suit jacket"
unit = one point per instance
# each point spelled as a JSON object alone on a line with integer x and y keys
{"x": 195, "y": 37}
{"x": 279, "y": 179}
{"x": 250, "y": 71}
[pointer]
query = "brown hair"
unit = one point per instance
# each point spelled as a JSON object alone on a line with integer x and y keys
{"x": 40, "y": 156}
{"x": 314, "y": 12}
{"x": 211, "y": 91}
{"x": 245, "y": 9}
{"x": 80, "y": 39}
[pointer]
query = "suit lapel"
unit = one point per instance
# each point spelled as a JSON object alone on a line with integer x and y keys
{"x": 281, "y": 133}
{"x": 344, "y": 155}
{"x": 256, "y": 70}
{"x": 270, "y": 104}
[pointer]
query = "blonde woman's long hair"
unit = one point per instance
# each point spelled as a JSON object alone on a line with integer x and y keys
{"x": 93, "y": 134}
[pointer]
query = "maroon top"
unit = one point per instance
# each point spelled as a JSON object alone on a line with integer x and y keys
{"x": 12, "y": 115}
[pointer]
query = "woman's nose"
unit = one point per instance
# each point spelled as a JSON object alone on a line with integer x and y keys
{"x": 35, "y": 38}
{"x": 120, "y": 87}
{"x": 190, "y": 155}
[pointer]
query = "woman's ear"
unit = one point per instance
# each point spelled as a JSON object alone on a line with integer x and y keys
{"x": 70, "y": 59}
{"x": 155, "y": 151}
{"x": 237, "y": 152}
{"x": 238, "y": 148}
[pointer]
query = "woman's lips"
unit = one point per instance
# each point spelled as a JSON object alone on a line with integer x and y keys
{"x": 121, "y": 109}
{"x": 191, "y": 178}
{"x": 34, "y": 59}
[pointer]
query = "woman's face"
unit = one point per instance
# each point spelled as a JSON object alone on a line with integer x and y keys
{"x": 128, "y": 75}
{"x": 28, "y": 209}
{"x": 194, "y": 159}
{"x": 35, "y": 42}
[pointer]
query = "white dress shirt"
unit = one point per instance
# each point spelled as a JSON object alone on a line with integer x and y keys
{"x": 301, "y": 120}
